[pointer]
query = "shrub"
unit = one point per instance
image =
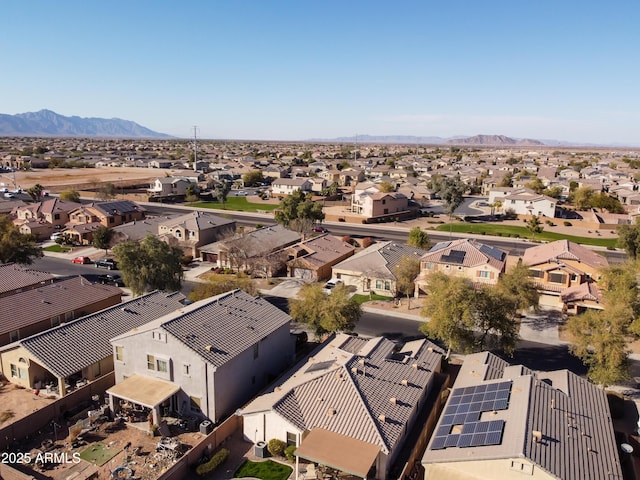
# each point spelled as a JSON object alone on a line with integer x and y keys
{"x": 213, "y": 463}
{"x": 289, "y": 453}
{"x": 366, "y": 242}
{"x": 566, "y": 223}
{"x": 276, "y": 447}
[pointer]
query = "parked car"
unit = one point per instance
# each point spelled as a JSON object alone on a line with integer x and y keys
{"x": 81, "y": 259}
{"x": 320, "y": 230}
{"x": 111, "y": 279}
{"x": 331, "y": 284}
{"x": 9, "y": 195}
{"x": 55, "y": 236}
{"x": 107, "y": 263}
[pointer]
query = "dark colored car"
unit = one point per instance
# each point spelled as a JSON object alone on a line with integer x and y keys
{"x": 320, "y": 230}
{"x": 106, "y": 263}
{"x": 111, "y": 279}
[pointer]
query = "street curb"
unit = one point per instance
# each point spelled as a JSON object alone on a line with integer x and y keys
{"x": 381, "y": 311}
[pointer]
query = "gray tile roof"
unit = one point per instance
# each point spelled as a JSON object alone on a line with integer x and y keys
{"x": 32, "y": 306}
{"x": 557, "y": 420}
{"x": 70, "y": 347}
{"x": 354, "y": 397}
{"x": 379, "y": 259}
{"x": 15, "y": 276}
{"x": 221, "y": 327}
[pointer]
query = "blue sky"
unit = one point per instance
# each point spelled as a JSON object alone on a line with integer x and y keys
{"x": 294, "y": 70}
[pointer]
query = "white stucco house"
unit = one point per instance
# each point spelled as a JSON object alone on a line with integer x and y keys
{"x": 204, "y": 360}
{"x": 524, "y": 201}
{"x": 286, "y": 186}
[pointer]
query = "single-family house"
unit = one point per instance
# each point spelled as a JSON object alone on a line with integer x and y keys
{"x": 524, "y": 201}
{"x": 207, "y": 359}
{"x": 41, "y": 218}
{"x": 109, "y": 214}
{"x": 465, "y": 258}
{"x": 38, "y": 309}
{"x": 312, "y": 259}
{"x": 505, "y": 421}
{"x": 258, "y": 251}
{"x": 168, "y": 187}
{"x": 194, "y": 229}
{"x": 79, "y": 350}
{"x": 372, "y": 270}
{"x": 350, "y": 406}
{"x": 566, "y": 274}
{"x": 286, "y": 186}
{"x": 376, "y": 204}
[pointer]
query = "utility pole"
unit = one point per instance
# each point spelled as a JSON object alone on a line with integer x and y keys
{"x": 195, "y": 147}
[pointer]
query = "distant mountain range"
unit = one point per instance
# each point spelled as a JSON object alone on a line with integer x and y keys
{"x": 50, "y": 124}
{"x": 477, "y": 140}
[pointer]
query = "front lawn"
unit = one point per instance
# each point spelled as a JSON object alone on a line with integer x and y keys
{"x": 238, "y": 204}
{"x": 57, "y": 248}
{"x": 267, "y": 470}
{"x": 360, "y": 299}
{"x": 522, "y": 232}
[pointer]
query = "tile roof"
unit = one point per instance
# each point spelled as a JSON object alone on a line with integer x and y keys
{"x": 32, "y": 306}
{"x": 15, "y": 276}
{"x": 557, "y": 420}
{"x": 72, "y": 346}
{"x": 584, "y": 291}
{"x": 563, "y": 250}
{"x": 379, "y": 259}
{"x": 321, "y": 250}
{"x": 348, "y": 387}
{"x": 475, "y": 254}
{"x": 198, "y": 221}
{"x": 221, "y": 327}
{"x": 258, "y": 242}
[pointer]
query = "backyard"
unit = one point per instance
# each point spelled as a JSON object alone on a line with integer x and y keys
{"x": 267, "y": 470}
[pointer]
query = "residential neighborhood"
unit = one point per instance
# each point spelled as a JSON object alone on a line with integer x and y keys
{"x": 193, "y": 325}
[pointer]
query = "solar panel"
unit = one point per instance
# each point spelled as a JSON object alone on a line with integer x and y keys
{"x": 439, "y": 246}
{"x": 438, "y": 443}
{"x": 316, "y": 367}
{"x": 492, "y": 252}
{"x": 465, "y": 441}
{"x": 455, "y": 256}
{"x": 493, "y": 438}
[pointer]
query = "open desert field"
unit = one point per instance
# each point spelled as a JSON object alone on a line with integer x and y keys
{"x": 56, "y": 180}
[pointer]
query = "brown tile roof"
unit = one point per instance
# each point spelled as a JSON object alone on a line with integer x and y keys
{"x": 322, "y": 250}
{"x": 15, "y": 276}
{"x": 584, "y": 291}
{"x": 474, "y": 254}
{"x": 563, "y": 250}
{"x": 33, "y": 306}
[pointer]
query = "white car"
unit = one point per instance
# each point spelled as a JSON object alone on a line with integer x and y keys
{"x": 331, "y": 284}
{"x": 9, "y": 195}
{"x": 55, "y": 236}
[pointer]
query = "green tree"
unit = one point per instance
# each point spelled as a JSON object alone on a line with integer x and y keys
{"x": 418, "y": 238}
{"x": 102, "y": 238}
{"x": 325, "y": 313}
{"x": 298, "y": 212}
{"x": 629, "y": 239}
{"x": 149, "y": 265}
{"x": 581, "y": 197}
{"x": 406, "y": 272}
{"x": 553, "y": 192}
{"x": 253, "y": 178}
{"x": 386, "y": 187}
{"x": 191, "y": 193}
{"x": 220, "y": 189}
{"x": 36, "y": 192}
{"x": 600, "y": 335}
{"x": 15, "y": 246}
{"x": 536, "y": 185}
{"x": 495, "y": 320}
{"x": 451, "y": 191}
{"x": 507, "y": 181}
{"x": 534, "y": 225}
{"x": 517, "y": 284}
{"x": 106, "y": 191}
{"x": 449, "y": 308}
{"x": 70, "y": 196}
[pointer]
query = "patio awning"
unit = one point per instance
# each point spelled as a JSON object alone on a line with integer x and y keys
{"x": 328, "y": 448}
{"x": 143, "y": 390}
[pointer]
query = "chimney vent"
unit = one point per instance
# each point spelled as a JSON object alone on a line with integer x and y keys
{"x": 331, "y": 412}
{"x": 393, "y": 400}
{"x": 414, "y": 366}
{"x": 354, "y": 370}
{"x": 382, "y": 417}
{"x": 405, "y": 382}
{"x": 537, "y": 436}
{"x": 208, "y": 348}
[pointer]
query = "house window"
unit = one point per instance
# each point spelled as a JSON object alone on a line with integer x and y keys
{"x": 120, "y": 353}
{"x": 428, "y": 265}
{"x": 186, "y": 369}
{"x": 18, "y": 372}
{"x": 387, "y": 285}
{"x": 379, "y": 284}
{"x": 536, "y": 273}
{"x": 557, "y": 277}
{"x": 484, "y": 274}
{"x": 55, "y": 321}
{"x": 256, "y": 350}
{"x": 14, "y": 335}
{"x": 68, "y": 316}
{"x": 178, "y": 234}
{"x": 151, "y": 362}
{"x": 292, "y": 439}
{"x": 96, "y": 370}
{"x": 162, "y": 366}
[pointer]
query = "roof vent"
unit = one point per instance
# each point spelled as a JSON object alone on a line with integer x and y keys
{"x": 537, "y": 436}
{"x": 393, "y": 400}
{"x": 331, "y": 412}
{"x": 208, "y": 348}
{"x": 405, "y": 382}
{"x": 415, "y": 366}
{"x": 382, "y": 417}
{"x": 354, "y": 370}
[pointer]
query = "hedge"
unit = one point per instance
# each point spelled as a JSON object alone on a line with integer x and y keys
{"x": 213, "y": 463}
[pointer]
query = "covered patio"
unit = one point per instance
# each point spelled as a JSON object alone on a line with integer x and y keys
{"x": 327, "y": 449}
{"x": 140, "y": 392}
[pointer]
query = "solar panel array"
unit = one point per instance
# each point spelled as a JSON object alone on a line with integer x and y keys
{"x": 492, "y": 252}
{"x": 316, "y": 367}
{"x": 461, "y": 426}
{"x": 455, "y": 256}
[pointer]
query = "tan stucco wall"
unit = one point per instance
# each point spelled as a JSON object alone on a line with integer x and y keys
{"x": 483, "y": 470}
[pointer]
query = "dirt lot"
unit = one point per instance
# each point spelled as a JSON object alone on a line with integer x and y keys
{"x": 17, "y": 403}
